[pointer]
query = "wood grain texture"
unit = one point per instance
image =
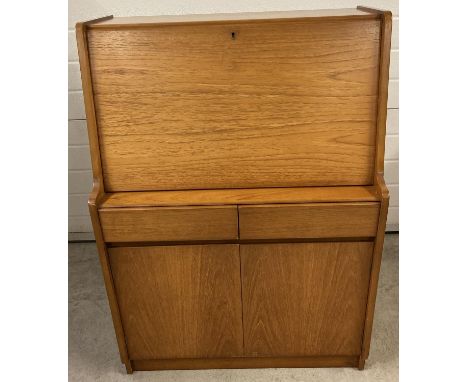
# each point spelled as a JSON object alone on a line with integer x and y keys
{"x": 315, "y": 220}
{"x": 94, "y": 197}
{"x": 284, "y": 103}
{"x": 169, "y": 223}
{"x": 136, "y": 21}
{"x": 180, "y": 301}
{"x": 203, "y": 113}
{"x": 240, "y": 196}
{"x": 244, "y": 362}
{"x": 375, "y": 271}
{"x": 98, "y": 188}
{"x": 304, "y": 299}
{"x": 384, "y": 68}
{"x": 93, "y": 135}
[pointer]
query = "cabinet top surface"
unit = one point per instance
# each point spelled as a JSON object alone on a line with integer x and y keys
{"x": 230, "y": 17}
{"x": 241, "y": 196}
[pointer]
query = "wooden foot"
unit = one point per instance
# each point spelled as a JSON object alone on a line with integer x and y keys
{"x": 128, "y": 366}
{"x": 361, "y": 363}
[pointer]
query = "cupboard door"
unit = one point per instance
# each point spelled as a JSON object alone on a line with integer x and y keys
{"x": 179, "y": 301}
{"x": 305, "y": 298}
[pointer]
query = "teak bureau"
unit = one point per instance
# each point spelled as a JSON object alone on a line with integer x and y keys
{"x": 239, "y": 204}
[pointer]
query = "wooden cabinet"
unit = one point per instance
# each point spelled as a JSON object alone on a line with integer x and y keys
{"x": 239, "y": 203}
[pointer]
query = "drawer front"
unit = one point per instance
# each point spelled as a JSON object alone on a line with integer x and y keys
{"x": 169, "y": 224}
{"x": 319, "y": 220}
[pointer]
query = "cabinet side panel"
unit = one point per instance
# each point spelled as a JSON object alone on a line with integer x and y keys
{"x": 260, "y": 104}
{"x": 304, "y": 299}
{"x": 179, "y": 301}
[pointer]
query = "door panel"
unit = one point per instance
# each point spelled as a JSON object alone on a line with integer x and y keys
{"x": 304, "y": 299}
{"x": 179, "y": 301}
{"x": 271, "y": 108}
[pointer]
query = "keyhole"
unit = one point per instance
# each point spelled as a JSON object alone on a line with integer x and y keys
{"x": 233, "y": 35}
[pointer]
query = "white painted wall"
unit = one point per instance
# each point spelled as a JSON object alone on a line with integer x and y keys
{"x": 79, "y": 164}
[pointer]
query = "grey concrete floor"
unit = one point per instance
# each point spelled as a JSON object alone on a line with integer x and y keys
{"x": 93, "y": 354}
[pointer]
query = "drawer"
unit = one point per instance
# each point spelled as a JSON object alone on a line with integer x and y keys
{"x": 169, "y": 223}
{"x": 318, "y": 220}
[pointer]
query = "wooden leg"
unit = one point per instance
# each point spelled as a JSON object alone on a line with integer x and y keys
{"x": 362, "y": 362}
{"x": 128, "y": 366}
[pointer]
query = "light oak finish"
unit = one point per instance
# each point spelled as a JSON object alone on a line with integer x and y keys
{"x": 241, "y": 196}
{"x": 384, "y": 68}
{"x": 179, "y": 301}
{"x": 144, "y": 21}
{"x": 90, "y": 110}
{"x": 263, "y": 133}
{"x": 98, "y": 187}
{"x": 318, "y": 220}
{"x": 304, "y": 299}
{"x": 245, "y": 363}
{"x": 375, "y": 271}
{"x": 107, "y": 275}
{"x": 385, "y": 47}
{"x": 169, "y": 223}
{"x": 271, "y": 107}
